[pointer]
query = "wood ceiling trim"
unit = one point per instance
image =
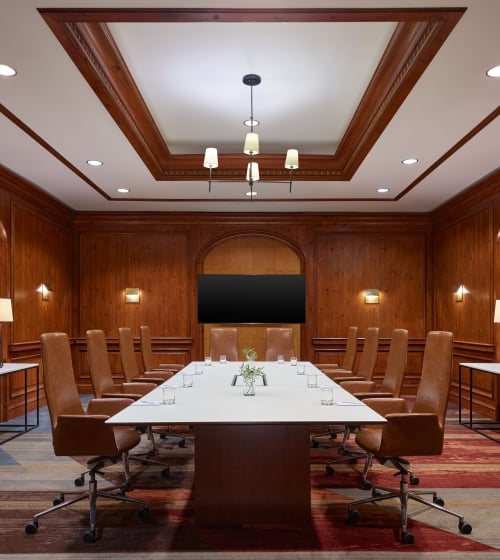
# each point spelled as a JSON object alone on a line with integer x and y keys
{"x": 85, "y": 36}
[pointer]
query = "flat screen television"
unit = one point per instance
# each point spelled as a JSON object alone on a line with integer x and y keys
{"x": 251, "y": 298}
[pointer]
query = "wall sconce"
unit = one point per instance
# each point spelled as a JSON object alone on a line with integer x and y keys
{"x": 459, "y": 294}
{"x": 132, "y": 295}
{"x": 45, "y": 290}
{"x": 372, "y": 295}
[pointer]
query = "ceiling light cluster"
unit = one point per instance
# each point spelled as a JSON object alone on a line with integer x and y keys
{"x": 251, "y": 148}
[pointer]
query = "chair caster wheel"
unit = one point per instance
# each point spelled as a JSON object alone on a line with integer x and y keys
{"x": 58, "y": 500}
{"x": 353, "y": 461}
{"x": 143, "y": 514}
{"x": 414, "y": 480}
{"x": 182, "y": 443}
{"x": 80, "y": 481}
{"x": 439, "y": 501}
{"x": 465, "y": 528}
{"x": 89, "y": 536}
{"x": 376, "y": 493}
{"x": 165, "y": 473}
{"x": 353, "y": 516}
{"x": 314, "y": 444}
{"x": 366, "y": 485}
{"x": 31, "y": 528}
{"x": 407, "y": 538}
{"x": 329, "y": 470}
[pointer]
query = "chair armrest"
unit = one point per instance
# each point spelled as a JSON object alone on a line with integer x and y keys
{"x": 133, "y": 396}
{"x": 140, "y": 388}
{"x": 373, "y": 395}
{"x": 411, "y": 434}
{"x": 358, "y": 386}
{"x": 386, "y": 406}
{"x": 326, "y": 366}
{"x": 170, "y": 367}
{"x": 159, "y": 373}
{"x": 108, "y": 406}
{"x": 77, "y": 434}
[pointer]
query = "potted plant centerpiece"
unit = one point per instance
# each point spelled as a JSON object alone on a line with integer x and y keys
{"x": 249, "y": 371}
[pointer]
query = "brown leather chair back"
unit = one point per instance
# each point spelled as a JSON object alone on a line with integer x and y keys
{"x": 279, "y": 341}
{"x": 148, "y": 360}
{"x": 127, "y": 354}
{"x": 100, "y": 370}
{"x": 434, "y": 386}
{"x": 351, "y": 349}
{"x": 58, "y": 376}
{"x": 396, "y": 363}
{"x": 369, "y": 354}
{"x": 224, "y": 340}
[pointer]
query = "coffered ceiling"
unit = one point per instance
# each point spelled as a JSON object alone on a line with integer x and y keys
{"x": 355, "y": 86}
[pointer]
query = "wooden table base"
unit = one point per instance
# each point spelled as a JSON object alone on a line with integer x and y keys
{"x": 252, "y": 474}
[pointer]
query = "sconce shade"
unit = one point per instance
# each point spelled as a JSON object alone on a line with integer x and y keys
{"x": 6, "y": 311}
{"x": 251, "y": 146}
{"x": 292, "y": 159}
{"x": 211, "y": 160}
{"x": 45, "y": 290}
{"x": 371, "y": 295}
{"x": 496, "y": 317}
{"x": 253, "y": 171}
{"x": 132, "y": 295}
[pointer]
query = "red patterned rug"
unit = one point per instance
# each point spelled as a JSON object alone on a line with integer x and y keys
{"x": 468, "y": 461}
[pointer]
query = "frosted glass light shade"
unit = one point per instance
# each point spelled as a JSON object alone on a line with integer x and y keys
{"x": 6, "y": 311}
{"x": 253, "y": 171}
{"x": 251, "y": 146}
{"x": 292, "y": 159}
{"x": 496, "y": 318}
{"x": 211, "y": 160}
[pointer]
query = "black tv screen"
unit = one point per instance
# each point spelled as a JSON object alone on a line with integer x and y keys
{"x": 251, "y": 298}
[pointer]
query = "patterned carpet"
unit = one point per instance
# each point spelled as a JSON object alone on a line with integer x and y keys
{"x": 467, "y": 475}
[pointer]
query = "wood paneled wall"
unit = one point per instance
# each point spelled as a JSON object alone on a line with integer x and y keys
{"x": 90, "y": 258}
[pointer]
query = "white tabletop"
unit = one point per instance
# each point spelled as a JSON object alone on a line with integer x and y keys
{"x": 213, "y": 399}
{"x": 487, "y": 367}
{"x": 13, "y": 367}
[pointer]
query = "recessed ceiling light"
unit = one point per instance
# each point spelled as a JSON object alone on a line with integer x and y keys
{"x": 7, "y": 70}
{"x": 494, "y": 72}
{"x": 252, "y": 193}
{"x": 94, "y": 162}
{"x": 122, "y": 190}
{"x": 410, "y": 161}
{"x": 251, "y": 122}
{"x": 383, "y": 190}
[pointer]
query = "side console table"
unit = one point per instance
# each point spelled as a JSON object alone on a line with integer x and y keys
{"x": 11, "y": 430}
{"x": 476, "y": 424}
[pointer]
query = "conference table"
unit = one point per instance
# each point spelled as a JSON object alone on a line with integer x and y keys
{"x": 251, "y": 453}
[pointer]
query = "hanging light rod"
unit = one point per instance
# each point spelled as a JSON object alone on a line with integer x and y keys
{"x": 251, "y": 148}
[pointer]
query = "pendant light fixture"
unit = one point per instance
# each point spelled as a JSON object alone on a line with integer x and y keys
{"x": 251, "y": 148}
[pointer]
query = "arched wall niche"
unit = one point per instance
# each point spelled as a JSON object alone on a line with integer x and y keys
{"x": 251, "y": 253}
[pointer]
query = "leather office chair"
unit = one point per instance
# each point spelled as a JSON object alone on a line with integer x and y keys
{"x": 279, "y": 341}
{"x": 129, "y": 362}
{"x": 104, "y": 385}
{"x": 351, "y": 348}
{"x": 148, "y": 359}
{"x": 76, "y": 432}
{"x": 224, "y": 341}
{"x": 418, "y": 432}
{"x": 364, "y": 373}
{"x": 391, "y": 386}
{"x": 366, "y": 363}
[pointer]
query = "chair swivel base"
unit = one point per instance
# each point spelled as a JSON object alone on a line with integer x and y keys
{"x": 380, "y": 493}
{"x": 91, "y": 494}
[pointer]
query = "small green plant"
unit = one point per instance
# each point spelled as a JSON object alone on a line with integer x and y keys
{"x": 249, "y": 372}
{"x": 250, "y": 354}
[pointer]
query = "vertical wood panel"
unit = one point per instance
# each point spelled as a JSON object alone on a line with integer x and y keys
{"x": 155, "y": 263}
{"x": 347, "y": 264}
